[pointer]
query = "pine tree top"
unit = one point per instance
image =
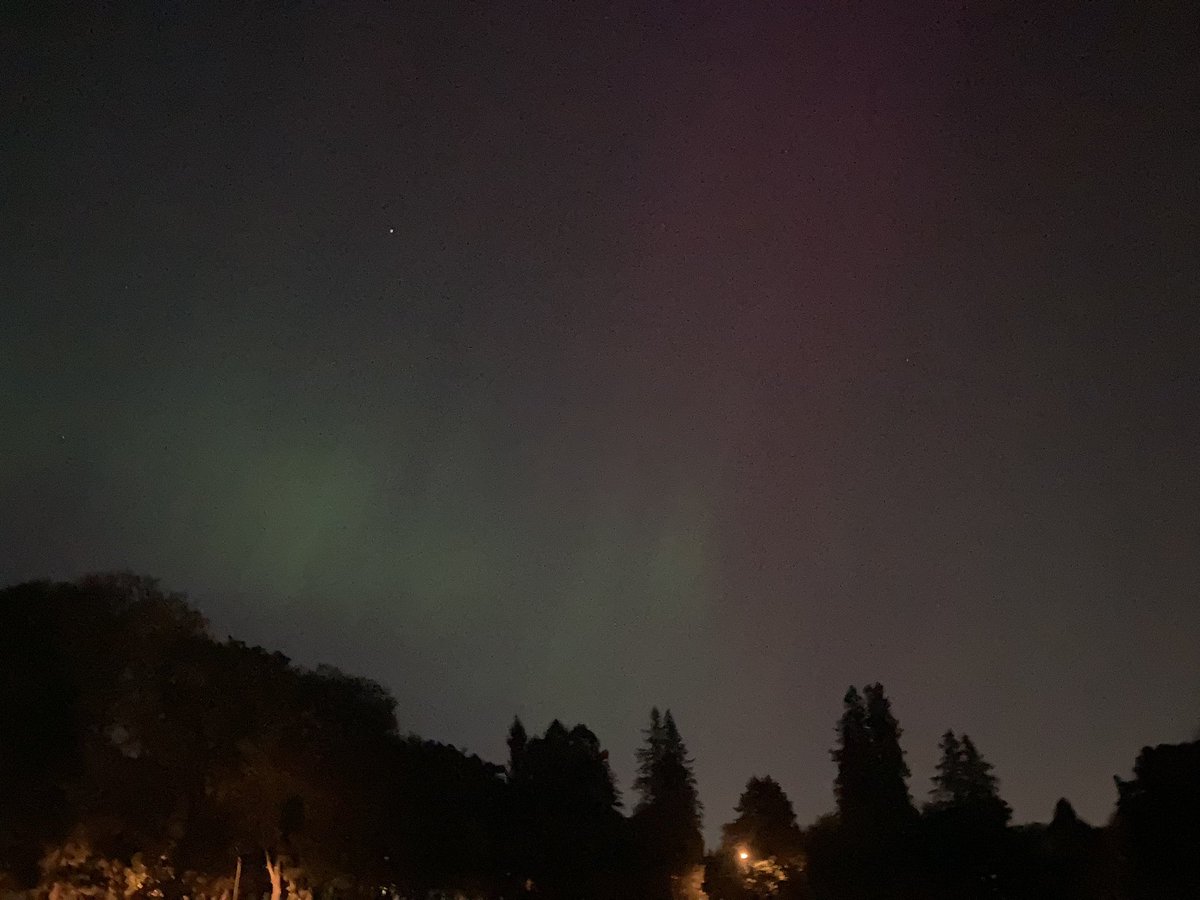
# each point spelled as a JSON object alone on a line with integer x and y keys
{"x": 964, "y": 778}
{"x": 665, "y": 773}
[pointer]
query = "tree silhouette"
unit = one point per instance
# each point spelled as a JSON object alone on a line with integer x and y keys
{"x": 852, "y": 787}
{"x": 872, "y": 776}
{"x": 451, "y": 826}
{"x": 766, "y": 822}
{"x": 647, "y": 757}
{"x": 1075, "y": 862}
{"x": 965, "y": 821}
{"x": 868, "y": 852}
{"x": 1158, "y": 822}
{"x": 667, "y": 816}
{"x": 157, "y": 741}
{"x": 889, "y": 773}
{"x": 947, "y": 783}
{"x": 761, "y": 850}
{"x": 141, "y": 758}
{"x": 517, "y": 742}
{"x": 964, "y": 781}
{"x": 566, "y": 795}
{"x": 42, "y": 720}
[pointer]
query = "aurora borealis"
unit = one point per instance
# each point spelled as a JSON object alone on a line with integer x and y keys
{"x": 538, "y": 360}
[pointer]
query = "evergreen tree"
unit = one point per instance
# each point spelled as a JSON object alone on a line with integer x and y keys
{"x": 979, "y": 784}
{"x": 648, "y": 757}
{"x": 667, "y": 817}
{"x": 1076, "y": 862}
{"x": 675, "y": 787}
{"x": 889, "y": 771}
{"x": 675, "y": 778}
{"x": 665, "y": 778}
{"x": 871, "y": 786}
{"x": 851, "y": 786}
{"x": 964, "y": 780}
{"x": 517, "y": 742}
{"x": 964, "y": 826}
{"x": 947, "y": 783}
{"x": 867, "y": 853}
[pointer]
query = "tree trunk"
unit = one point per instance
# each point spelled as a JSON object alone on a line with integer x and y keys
{"x": 237, "y": 877}
{"x": 275, "y": 873}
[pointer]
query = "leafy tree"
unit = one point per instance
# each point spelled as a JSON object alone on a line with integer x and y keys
{"x": 766, "y": 822}
{"x": 141, "y": 758}
{"x": 1075, "y": 863}
{"x": 761, "y": 850}
{"x": 120, "y": 771}
{"x": 565, "y": 793}
{"x": 157, "y": 740}
{"x": 449, "y": 816}
{"x": 42, "y": 680}
{"x": 1158, "y": 821}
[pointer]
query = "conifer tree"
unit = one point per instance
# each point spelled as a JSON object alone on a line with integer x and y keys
{"x": 668, "y": 814}
{"x": 965, "y": 824}
{"x": 518, "y": 741}
{"x": 947, "y": 783}
{"x": 851, "y": 786}
{"x": 648, "y": 756}
{"x": 871, "y": 785}
{"x": 965, "y": 788}
{"x": 889, "y": 770}
{"x": 675, "y": 773}
{"x": 979, "y": 784}
{"x": 868, "y": 851}
{"x": 964, "y": 780}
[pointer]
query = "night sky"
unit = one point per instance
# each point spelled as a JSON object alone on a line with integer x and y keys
{"x": 564, "y": 359}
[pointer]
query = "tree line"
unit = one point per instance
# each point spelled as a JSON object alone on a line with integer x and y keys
{"x": 140, "y": 758}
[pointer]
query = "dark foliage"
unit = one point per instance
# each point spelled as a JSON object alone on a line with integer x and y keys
{"x": 572, "y": 839}
{"x": 870, "y": 849}
{"x": 762, "y": 850}
{"x": 666, "y": 821}
{"x": 965, "y": 839}
{"x": 130, "y": 738}
{"x": 1158, "y": 819}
